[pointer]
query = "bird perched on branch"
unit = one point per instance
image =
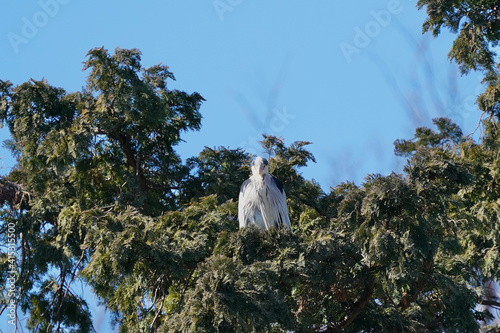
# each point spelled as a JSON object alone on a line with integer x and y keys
{"x": 262, "y": 199}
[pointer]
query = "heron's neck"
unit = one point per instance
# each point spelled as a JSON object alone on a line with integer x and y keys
{"x": 258, "y": 179}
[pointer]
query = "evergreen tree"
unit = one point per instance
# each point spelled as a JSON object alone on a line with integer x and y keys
{"x": 99, "y": 195}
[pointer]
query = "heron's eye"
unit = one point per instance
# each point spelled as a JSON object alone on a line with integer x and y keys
{"x": 265, "y": 161}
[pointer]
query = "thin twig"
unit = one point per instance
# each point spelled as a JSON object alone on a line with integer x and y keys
{"x": 73, "y": 276}
{"x": 158, "y": 312}
{"x": 478, "y": 124}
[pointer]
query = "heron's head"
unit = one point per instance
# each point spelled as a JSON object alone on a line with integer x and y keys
{"x": 260, "y": 166}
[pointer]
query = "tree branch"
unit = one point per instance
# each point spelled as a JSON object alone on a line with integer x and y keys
{"x": 487, "y": 302}
{"x": 124, "y": 140}
{"x": 11, "y": 193}
{"x": 407, "y": 299}
{"x": 355, "y": 310}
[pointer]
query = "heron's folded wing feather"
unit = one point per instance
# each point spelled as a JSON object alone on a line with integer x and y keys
{"x": 242, "y": 201}
{"x": 278, "y": 200}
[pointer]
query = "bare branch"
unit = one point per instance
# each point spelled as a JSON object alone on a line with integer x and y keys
{"x": 489, "y": 302}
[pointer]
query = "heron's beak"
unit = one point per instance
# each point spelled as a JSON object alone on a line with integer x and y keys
{"x": 261, "y": 169}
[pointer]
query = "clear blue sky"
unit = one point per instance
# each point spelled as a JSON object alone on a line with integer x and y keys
{"x": 350, "y": 76}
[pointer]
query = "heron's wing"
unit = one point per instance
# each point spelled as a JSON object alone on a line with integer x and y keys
{"x": 277, "y": 199}
{"x": 242, "y": 201}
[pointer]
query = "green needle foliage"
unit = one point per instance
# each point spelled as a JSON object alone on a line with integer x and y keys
{"x": 477, "y": 23}
{"x": 101, "y": 198}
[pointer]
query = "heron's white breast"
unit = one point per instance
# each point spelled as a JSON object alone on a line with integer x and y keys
{"x": 258, "y": 183}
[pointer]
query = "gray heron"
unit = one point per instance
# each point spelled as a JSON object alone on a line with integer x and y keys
{"x": 262, "y": 200}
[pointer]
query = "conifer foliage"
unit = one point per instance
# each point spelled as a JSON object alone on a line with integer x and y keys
{"x": 99, "y": 196}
